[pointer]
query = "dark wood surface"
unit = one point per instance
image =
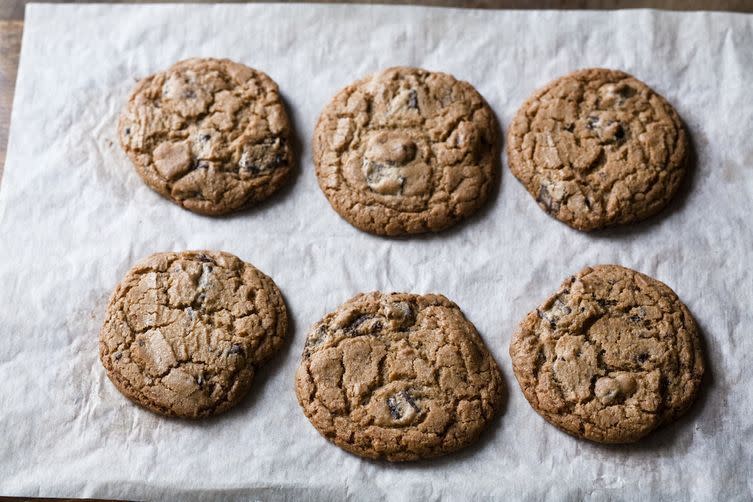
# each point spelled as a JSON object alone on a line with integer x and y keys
{"x": 12, "y": 12}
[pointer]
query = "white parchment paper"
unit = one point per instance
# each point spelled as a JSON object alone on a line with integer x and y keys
{"x": 74, "y": 216}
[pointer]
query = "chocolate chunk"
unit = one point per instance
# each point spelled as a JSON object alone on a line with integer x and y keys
{"x": 626, "y": 91}
{"x": 545, "y": 198}
{"x": 400, "y": 404}
{"x": 619, "y": 134}
{"x": 358, "y": 325}
{"x": 375, "y": 173}
{"x": 358, "y": 321}
{"x": 413, "y": 99}
{"x": 200, "y": 298}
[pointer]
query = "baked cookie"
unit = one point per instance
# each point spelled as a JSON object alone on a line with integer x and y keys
{"x": 398, "y": 377}
{"x": 406, "y": 151}
{"x": 185, "y": 332}
{"x": 209, "y": 134}
{"x": 610, "y": 356}
{"x": 597, "y": 148}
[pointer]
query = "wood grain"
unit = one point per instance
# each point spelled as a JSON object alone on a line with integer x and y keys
{"x": 10, "y": 47}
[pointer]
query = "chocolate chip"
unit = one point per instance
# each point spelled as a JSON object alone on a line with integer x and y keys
{"x": 236, "y": 349}
{"x": 394, "y": 410}
{"x": 316, "y": 339}
{"x": 605, "y": 303}
{"x": 200, "y": 300}
{"x": 356, "y": 325}
{"x": 619, "y": 134}
{"x": 398, "y": 404}
{"x": 118, "y": 355}
{"x": 403, "y": 313}
{"x": 569, "y": 127}
{"x": 206, "y": 137}
{"x": 200, "y": 380}
{"x": 141, "y": 343}
{"x": 591, "y": 122}
{"x": 545, "y": 198}
{"x": 358, "y": 321}
{"x": 200, "y": 164}
{"x": 189, "y": 94}
{"x": 127, "y": 131}
{"x": 375, "y": 173}
{"x": 626, "y": 91}
{"x": 413, "y": 99}
{"x": 204, "y": 258}
{"x": 642, "y": 358}
{"x": 634, "y": 318}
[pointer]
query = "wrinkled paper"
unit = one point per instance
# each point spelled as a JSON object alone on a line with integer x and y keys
{"x": 74, "y": 216}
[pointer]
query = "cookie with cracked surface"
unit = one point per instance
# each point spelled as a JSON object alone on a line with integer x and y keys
{"x": 209, "y": 134}
{"x": 406, "y": 151}
{"x": 398, "y": 377}
{"x": 611, "y": 356}
{"x": 598, "y": 147}
{"x": 184, "y": 333}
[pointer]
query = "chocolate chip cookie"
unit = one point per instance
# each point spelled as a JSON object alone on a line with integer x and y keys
{"x": 609, "y": 357}
{"x": 209, "y": 134}
{"x": 185, "y": 332}
{"x": 406, "y": 151}
{"x": 398, "y": 377}
{"x": 598, "y": 147}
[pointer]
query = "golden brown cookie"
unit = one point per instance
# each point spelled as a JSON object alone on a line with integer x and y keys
{"x": 609, "y": 357}
{"x": 209, "y": 134}
{"x": 185, "y": 332}
{"x": 406, "y": 151}
{"x": 398, "y": 377}
{"x": 598, "y": 147}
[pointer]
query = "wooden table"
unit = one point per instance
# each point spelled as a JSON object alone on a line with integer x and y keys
{"x": 11, "y": 29}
